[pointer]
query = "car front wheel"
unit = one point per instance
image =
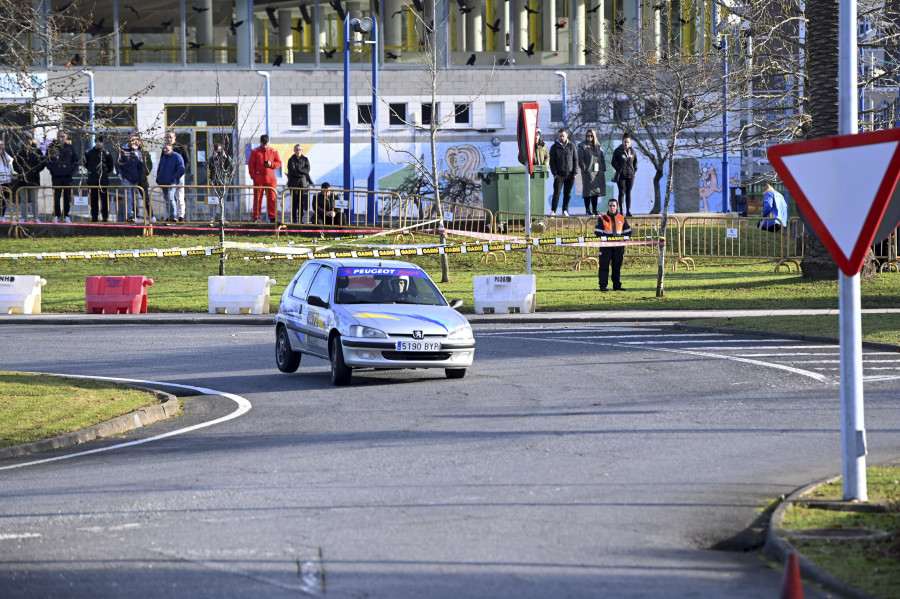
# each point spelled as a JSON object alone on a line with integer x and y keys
{"x": 286, "y": 359}
{"x": 340, "y": 372}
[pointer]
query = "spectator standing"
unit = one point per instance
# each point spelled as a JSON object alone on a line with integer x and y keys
{"x": 325, "y": 212}
{"x": 563, "y": 167}
{"x": 541, "y": 154}
{"x": 264, "y": 161}
{"x": 61, "y": 162}
{"x": 182, "y": 151}
{"x": 98, "y": 163}
{"x": 168, "y": 173}
{"x": 147, "y": 159}
{"x": 29, "y": 164}
{"x": 298, "y": 180}
{"x": 592, "y": 162}
{"x": 130, "y": 166}
{"x": 775, "y": 208}
{"x": 611, "y": 224}
{"x": 625, "y": 162}
{"x": 220, "y": 174}
{"x": 6, "y": 183}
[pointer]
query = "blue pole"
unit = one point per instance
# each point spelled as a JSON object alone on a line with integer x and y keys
{"x": 373, "y": 175}
{"x": 725, "y": 188}
{"x": 347, "y": 108}
{"x": 90, "y": 76}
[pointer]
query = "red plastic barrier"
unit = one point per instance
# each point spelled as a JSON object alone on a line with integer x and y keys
{"x": 116, "y": 295}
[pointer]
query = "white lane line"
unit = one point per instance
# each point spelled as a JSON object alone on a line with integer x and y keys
{"x": 645, "y": 336}
{"x": 243, "y": 407}
{"x": 881, "y": 377}
{"x": 18, "y": 535}
{"x": 706, "y": 341}
{"x": 769, "y": 347}
{"x": 557, "y": 331}
{"x": 813, "y": 375}
{"x": 870, "y": 368}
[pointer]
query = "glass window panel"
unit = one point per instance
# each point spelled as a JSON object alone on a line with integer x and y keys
{"x": 398, "y": 114}
{"x": 192, "y": 115}
{"x": 426, "y": 113}
{"x": 333, "y": 115}
{"x": 463, "y": 114}
{"x": 364, "y": 114}
{"x": 493, "y": 114}
{"x": 299, "y": 115}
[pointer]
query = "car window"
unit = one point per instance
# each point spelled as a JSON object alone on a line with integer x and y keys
{"x": 321, "y": 285}
{"x": 301, "y": 287}
{"x": 382, "y": 285}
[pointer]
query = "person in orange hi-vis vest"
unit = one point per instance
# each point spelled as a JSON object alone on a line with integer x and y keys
{"x": 611, "y": 224}
{"x": 264, "y": 161}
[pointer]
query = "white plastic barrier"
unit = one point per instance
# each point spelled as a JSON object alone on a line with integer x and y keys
{"x": 239, "y": 295}
{"x": 20, "y": 294}
{"x": 505, "y": 294}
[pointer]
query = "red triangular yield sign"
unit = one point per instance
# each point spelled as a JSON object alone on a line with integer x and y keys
{"x": 526, "y": 132}
{"x": 842, "y": 184}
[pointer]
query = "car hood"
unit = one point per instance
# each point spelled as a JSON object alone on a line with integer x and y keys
{"x": 403, "y": 318}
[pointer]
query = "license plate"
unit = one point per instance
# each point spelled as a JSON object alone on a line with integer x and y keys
{"x": 418, "y": 346}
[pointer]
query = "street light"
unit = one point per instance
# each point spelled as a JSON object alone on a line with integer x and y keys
{"x": 564, "y": 111}
{"x": 723, "y": 26}
{"x": 90, "y": 76}
{"x": 266, "y": 75}
{"x": 364, "y": 25}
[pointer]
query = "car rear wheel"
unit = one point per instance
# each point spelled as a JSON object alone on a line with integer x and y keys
{"x": 286, "y": 359}
{"x": 340, "y": 372}
{"x": 455, "y": 373}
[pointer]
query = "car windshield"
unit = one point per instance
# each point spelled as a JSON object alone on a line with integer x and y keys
{"x": 377, "y": 285}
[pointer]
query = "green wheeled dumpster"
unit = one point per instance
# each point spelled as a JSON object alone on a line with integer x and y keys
{"x": 503, "y": 190}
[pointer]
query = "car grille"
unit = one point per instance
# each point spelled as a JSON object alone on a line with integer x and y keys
{"x": 416, "y": 356}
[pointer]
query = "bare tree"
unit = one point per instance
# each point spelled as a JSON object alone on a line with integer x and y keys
{"x": 666, "y": 98}
{"x": 432, "y": 79}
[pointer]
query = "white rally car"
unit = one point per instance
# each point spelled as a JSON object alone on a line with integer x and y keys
{"x": 360, "y": 313}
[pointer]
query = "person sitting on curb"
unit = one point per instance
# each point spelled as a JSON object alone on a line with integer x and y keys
{"x": 611, "y": 224}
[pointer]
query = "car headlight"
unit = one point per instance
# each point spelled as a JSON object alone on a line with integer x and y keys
{"x": 359, "y": 330}
{"x": 463, "y": 332}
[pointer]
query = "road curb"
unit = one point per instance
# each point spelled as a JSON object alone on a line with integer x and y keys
{"x": 795, "y": 336}
{"x": 778, "y": 547}
{"x": 121, "y": 424}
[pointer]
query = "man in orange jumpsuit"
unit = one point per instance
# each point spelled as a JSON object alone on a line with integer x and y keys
{"x": 264, "y": 161}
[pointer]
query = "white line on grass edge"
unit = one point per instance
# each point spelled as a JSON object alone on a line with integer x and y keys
{"x": 243, "y": 407}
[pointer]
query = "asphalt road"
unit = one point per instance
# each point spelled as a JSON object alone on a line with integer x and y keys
{"x": 581, "y": 461}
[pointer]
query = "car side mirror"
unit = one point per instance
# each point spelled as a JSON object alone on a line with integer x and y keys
{"x": 456, "y": 304}
{"x": 315, "y": 300}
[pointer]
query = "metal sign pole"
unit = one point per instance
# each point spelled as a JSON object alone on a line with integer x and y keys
{"x": 527, "y": 220}
{"x": 853, "y": 433}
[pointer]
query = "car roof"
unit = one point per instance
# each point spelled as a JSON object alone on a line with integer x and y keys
{"x": 366, "y": 263}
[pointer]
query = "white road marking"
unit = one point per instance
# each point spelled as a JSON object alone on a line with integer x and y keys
{"x": 12, "y": 536}
{"x": 705, "y": 341}
{"x": 243, "y": 407}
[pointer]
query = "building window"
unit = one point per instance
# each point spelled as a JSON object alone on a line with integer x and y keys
{"x": 201, "y": 115}
{"x": 115, "y": 122}
{"x": 463, "y": 114}
{"x": 363, "y": 114}
{"x": 332, "y": 115}
{"x": 556, "y": 112}
{"x": 299, "y": 115}
{"x": 621, "y": 111}
{"x": 427, "y": 113}
{"x": 493, "y": 114}
{"x": 398, "y": 115}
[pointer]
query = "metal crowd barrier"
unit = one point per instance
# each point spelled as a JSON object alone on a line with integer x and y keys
{"x": 356, "y": 208}
{"x": 547, "y": 225}
{"x": 734, "y": 237}
{"x": 886, "y": 253}
{"x": 36, "y": 203}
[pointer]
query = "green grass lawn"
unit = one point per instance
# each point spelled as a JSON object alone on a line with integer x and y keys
{"x": 35, "y": 407}
{"x": 866, "y": 565}
{"x": 716, "y": 284}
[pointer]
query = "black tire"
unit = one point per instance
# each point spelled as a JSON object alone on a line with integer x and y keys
{"x": 455, "y": 373}
{"x": 340, "y": 372}
{"x": 286, "y": 359}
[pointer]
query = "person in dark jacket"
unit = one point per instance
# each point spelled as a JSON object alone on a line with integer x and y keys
{"x": 29, "y": 164}
{"x": 61, "y": 162}
{"x": 625, "y": 162}
{"x": 298, "y": 181}
{"x": 98, "y": 163}
{"x": 169, "y": 172}
{"x": 220, "y": 174}
{"x": 611, "y": 224}
{"x": 563, "y": 167}
{"x": 325, "y": 210}
{"x": 592, "y": 162}
{"x": 130, "y": 165}
{"x": 147, "y": 158}
{"x": 182, "y": 151}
